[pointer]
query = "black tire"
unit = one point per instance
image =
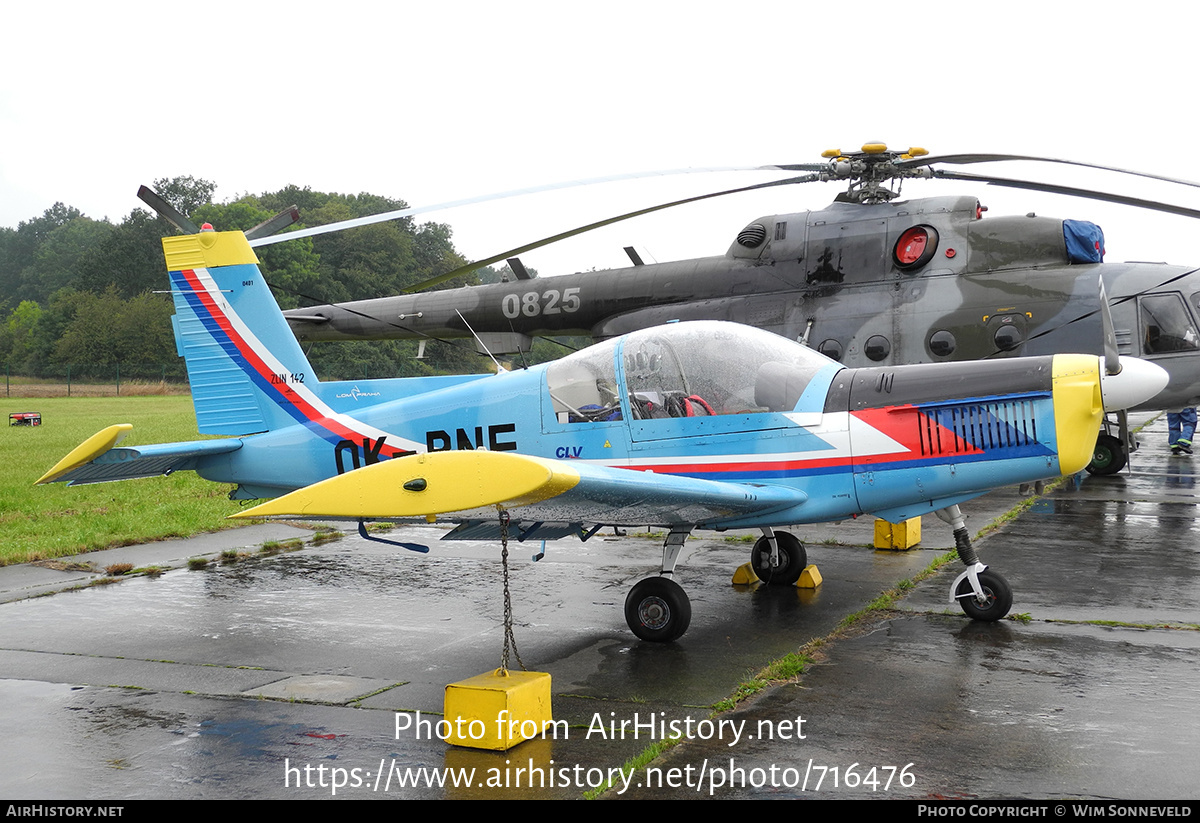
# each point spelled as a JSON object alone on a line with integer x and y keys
{"x": 1110, "y": 456}
{"x": 792, "y": 560}
{"x": 657, "y": 609}
{"x": 995, "y": 589}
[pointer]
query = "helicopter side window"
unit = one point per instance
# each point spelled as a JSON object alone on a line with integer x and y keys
{"x": 1166, "y": 325}
{"x": 583, "y": 386}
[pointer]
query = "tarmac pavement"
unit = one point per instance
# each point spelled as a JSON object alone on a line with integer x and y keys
{"x": 299, "y": 675}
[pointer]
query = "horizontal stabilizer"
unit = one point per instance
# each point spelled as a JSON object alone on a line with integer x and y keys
{"x": 471, "y": 483}
{"x": 96, "y": 460}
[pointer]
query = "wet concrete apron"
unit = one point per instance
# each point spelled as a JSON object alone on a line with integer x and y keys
{"x": 282, "y": 677}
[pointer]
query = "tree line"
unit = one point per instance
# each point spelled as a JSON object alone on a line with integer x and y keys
{"x": 78, "y": 290}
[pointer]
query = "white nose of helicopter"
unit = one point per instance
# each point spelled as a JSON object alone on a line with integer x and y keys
{"x": 1137, "y": 382}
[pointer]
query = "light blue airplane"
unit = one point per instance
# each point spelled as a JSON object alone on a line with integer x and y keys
{"x": 705, "y": 425}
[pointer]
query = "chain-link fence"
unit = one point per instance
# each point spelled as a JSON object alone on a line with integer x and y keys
{"x": 95, "y": 380}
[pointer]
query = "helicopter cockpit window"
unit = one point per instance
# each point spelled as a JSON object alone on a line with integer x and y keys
{"x": 707, "y": 369}
{"x": 1166, "y": 325}
{"x": 583, "y": 386}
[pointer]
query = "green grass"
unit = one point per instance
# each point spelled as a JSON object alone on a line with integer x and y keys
{"x": 43, "y": 522}
{"x": 639, "y": 761}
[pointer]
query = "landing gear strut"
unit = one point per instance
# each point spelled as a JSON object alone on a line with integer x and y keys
{"x": 982, "y": 593}
{"x": 657, "y": 608}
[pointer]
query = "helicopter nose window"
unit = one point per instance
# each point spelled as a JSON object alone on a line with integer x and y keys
{"x": 1166, "y": 325}
{"x": 708, "y": 369}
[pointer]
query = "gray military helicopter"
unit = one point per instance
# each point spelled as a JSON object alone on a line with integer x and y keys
{"x": 870, "y": 280}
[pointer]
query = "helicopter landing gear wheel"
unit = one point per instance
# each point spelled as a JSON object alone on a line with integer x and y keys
{"x": 997, "y": 597}
{"x": 657, "y": 609}
{"x": 1109, "y": 457}
{"x": 792, "y": 560}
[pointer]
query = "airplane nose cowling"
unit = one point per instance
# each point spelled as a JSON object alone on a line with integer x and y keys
{"x": 1083, "y": 393}
{"x": 1136, "y": 382}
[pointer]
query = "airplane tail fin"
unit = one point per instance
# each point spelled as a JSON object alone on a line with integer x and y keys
{"x": 248, "y": 375}
{"x": 247, "y": 371}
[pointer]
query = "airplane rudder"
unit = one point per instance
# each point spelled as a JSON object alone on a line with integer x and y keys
{"x": 240, "y": 353}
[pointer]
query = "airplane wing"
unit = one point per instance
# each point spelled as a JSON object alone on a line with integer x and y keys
{"x": 470, "y": 485}
{"x": 97, "y": 460}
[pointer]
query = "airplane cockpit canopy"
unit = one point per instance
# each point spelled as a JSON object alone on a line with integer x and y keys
{"x": 697, "y": 369}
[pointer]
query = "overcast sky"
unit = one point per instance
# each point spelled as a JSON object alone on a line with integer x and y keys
{"x": 435, "y": 101}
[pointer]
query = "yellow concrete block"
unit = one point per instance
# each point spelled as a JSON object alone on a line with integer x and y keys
{"x": 810, "y": 578}
{"x": 745, "y": 575}
{"x": 897, "y": 536}
{"x": 498, "y": 710}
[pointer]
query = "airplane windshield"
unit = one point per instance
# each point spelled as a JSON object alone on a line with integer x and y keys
{"x": 709, "y": 368}
{"x": 583, "y": 385}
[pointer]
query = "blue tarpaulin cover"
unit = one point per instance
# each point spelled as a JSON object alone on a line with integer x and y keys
{"x": 1085, "y": 241}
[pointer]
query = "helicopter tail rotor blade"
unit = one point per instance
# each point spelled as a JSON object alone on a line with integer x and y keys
{"x": 166, "y": 211}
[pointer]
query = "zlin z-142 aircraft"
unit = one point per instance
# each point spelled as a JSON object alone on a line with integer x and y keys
{"x": 871, "y": 280}
{"x": 706, "y": 425}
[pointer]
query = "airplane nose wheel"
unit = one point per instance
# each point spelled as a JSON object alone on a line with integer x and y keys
{"x": 997, "y": 597}
{"x": 657, "y": 609}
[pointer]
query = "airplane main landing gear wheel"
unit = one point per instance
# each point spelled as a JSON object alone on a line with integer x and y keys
{"x": 1110, "y": 456}
{"x": 657, "y": 609}
{"x": 792, "y": 560}
{"x": 997, "y": 596}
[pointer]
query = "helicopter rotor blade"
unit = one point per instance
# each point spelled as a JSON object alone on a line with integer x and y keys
{"x": 166, "y": 211}
{"x": 546, "y": 241}
{"x": 277, "y": 223}
{"x": 408, "y": 212}
{"x": 1070, "y": 191}
{"x": 967, "y": 159}
{"x": 792, "y": 167}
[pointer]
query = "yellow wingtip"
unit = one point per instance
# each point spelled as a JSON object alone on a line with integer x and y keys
{"x": 87, "y": 451}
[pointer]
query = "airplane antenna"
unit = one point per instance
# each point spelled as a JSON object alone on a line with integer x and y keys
{"x": 559, "y": 342}
{"x": 524, "y": 362}
{"x": 499, "y": 368}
